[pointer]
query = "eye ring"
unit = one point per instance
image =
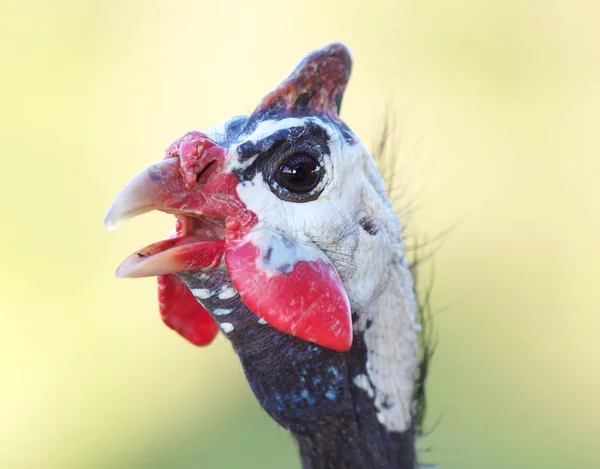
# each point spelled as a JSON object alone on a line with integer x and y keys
{"x": 298, "y": 176}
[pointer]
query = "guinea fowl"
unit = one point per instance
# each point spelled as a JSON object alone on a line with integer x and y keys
{"x": 287, "y": 242}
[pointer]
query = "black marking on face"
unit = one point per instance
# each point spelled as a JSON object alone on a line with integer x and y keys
{"x": 300, "y": 110}
{"x": 267, "y": 256}
{"x": 369, "y": 225}
{"x": 239, "y": 127}
{"x": 290, "y": 160}
{"x": 235, "y": 127}
{"x": 233, "y": 130}
{"x": 308, "y": 135}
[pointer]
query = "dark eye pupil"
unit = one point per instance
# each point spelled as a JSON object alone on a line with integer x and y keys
{"x": 300, "y": 173}
{"x": 295, "y": 175}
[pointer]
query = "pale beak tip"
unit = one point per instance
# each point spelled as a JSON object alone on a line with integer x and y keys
{"x": 111, "y": 225}
{"x": 110, "y": 220}
{"x": 120, "y": 272}
{"x": 145, "y": 192}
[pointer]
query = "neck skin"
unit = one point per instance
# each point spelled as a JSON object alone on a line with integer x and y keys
{"x": 348, "y": 410}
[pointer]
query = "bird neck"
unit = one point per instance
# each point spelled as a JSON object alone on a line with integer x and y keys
{"x": 353, "y": 435}
{"x": 356, "y": 447}
{"x": 349, "y": 410}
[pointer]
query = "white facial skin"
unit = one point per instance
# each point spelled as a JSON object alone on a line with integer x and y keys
{"x": 332, "y": 221}
{"x": 371, "y": 265}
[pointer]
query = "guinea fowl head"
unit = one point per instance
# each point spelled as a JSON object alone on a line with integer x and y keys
{"x": 286, "y": 241}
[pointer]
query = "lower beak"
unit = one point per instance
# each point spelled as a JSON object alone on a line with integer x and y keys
{"x": 171, "y": 256}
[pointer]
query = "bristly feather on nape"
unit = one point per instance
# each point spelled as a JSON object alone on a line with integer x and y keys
{"x": 385, "y": 152}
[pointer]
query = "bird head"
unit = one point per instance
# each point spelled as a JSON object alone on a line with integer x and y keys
{"x": 282, "y": 214}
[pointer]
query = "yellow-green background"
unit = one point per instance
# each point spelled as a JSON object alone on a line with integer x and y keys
{"x": 497, "y": 107}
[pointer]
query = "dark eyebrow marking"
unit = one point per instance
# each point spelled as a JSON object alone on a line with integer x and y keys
{"x": 248, "y": 148}
{"x": 310, "y": 130}
{"x": 309, "y": 134}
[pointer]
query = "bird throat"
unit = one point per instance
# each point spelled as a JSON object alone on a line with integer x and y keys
{"x": 374, "y": 428}
{"x": 346, "y": 410}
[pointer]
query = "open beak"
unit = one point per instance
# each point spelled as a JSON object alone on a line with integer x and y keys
{"x": 304, "y": 297}
{"x": 199, "y": 242}
{"x": 189, "y": 184}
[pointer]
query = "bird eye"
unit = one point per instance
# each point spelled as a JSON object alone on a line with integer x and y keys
{"x": 300, "y": 173}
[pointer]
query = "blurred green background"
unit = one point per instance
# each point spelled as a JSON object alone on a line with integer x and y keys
{"x": 497, "y": 110}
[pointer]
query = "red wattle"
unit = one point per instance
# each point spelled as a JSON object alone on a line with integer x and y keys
{"x": 306, "y": 300}
{"x": 181, "y": 311}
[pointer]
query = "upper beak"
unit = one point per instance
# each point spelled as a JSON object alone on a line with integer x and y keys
{"x": 157, "y": 187}
{"x": 183, "y": 183}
